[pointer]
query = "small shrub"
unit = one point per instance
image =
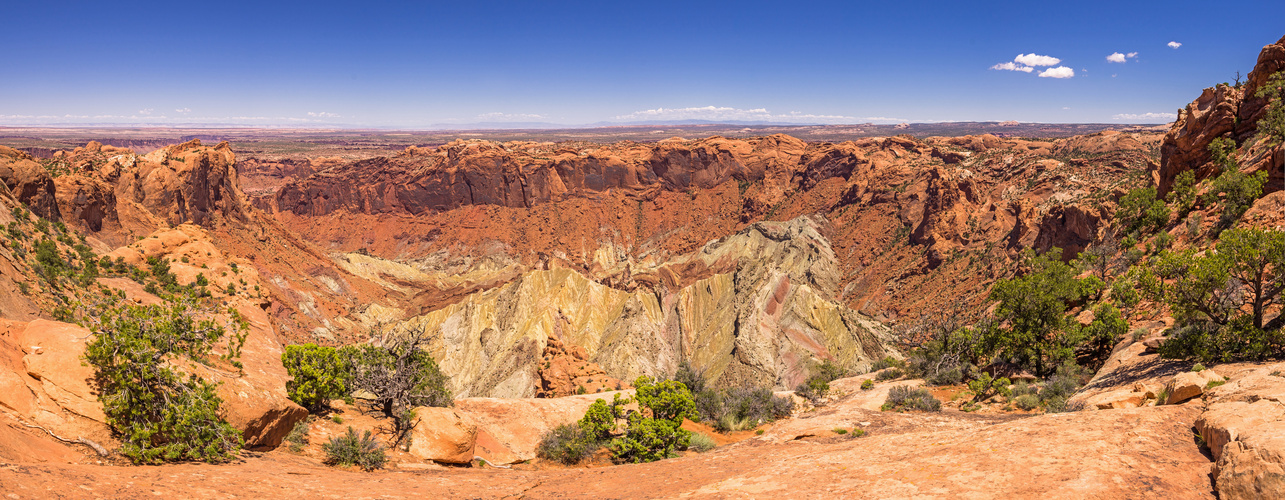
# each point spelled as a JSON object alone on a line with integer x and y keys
{"x": 758, "y": 432}
{"x": 887, "y": 362}
{"x": 890, "y": 374}
{"x": 568, "y": 444}
{"x": 813, "y": 389}
{"x": 830, "y": 371}
{"x": 599, "y": 420}
{"x": 840, "y": 431}
{"x": 351, "y": 449}
{"x": 984, "y": 386}
{"x": 867, "y": 385}
{"x": 1214, "y": 383}
{"x": 1162, "y": 397}
{"x": 1198, "y": 368}
{"x": 337, "y": 419}
{"x": 318, "y": 374}
{"x": 701, "y": 442}
{"x": 655, "y": 431}
{"x": 1022, "y": 389}
{"x": 732, "y": 423}
{"x": 649, "y": 440}
{"x": 946, "y": 376}
{"x": 903, "y": 398}
{"x": 858, "y": 432}
{"x": 1139, "y": 210}
{"x": 298, "y": 436}
{"x": 1027, "y": 402}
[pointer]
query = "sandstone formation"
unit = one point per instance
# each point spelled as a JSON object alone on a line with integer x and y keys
{"x": 761, "y": 317}
{"x": 1230, "y": 112}
{"x": 509, "y": 430}
{"x": 1187, "y": 385}
{"x": 441, "y": 435}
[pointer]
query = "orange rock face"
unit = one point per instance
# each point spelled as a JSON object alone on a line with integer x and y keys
{"x": 902, "y": 218}
{"x": 1223, "y": 111}
{"x": 567, "y": 370}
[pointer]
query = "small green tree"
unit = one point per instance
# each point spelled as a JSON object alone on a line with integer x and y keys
{"x": 158, "y": 412}
{"x": 984, "y": 386}
{"x": 1183, "y": 193}
{"x": 1272, "y": 125}
{"x": 599, "y": 420}
{"x": 656, "y": 432}
{"x": 1140, "y": 210}
{"x": 1034, "y": 308}
{"x": 400, "y": 375}
{"x": 318, "y": 375}
{"x": 1209, "y": 291}
{"x": 1232, "y": 189}
{"x": 1101, "y": 335}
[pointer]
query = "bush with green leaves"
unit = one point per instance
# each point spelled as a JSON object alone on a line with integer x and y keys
{"x": 298, "y": 436}
{"x": 904, "y": 398}
{"x": 1099, "y": 337}
{"x": 568, "y": 444}
{"x": 984, "y": 386}
{"x": 1234, "y": 190}
{"x": 702, "y": 442}
{"x": 890, "y": 374}
{"x": 158, "y": 412}
{"x": 813, "y": 389}
{"x": 1033, "y": 306}
{"x": 949, "y": 354}
{"x": 735, "y": 408}
{"x": 1027, "y": 402}
{"x": 1183, "y": 193}
{"x": 867, "y": 384}
{"x": 816, "y": 386}
{"x": 1271, "y": 127}
{"x": 599, "y": 420}
{"x": 1222, "y": 299}
{"x": 1141, "y": 211}
{"x": 655, "y": 432}
{"x": 886, "y": 362}
{"x": 318, "y": 375}
{"x": 353, "y": 449}
{"x": 1058, "y": 388}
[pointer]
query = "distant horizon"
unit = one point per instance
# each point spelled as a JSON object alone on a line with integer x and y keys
{"x": 550, "y": 127}
{"x": 408, "y": 65}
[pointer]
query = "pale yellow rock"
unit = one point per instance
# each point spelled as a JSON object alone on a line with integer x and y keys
{"x": 1187, "y": 385}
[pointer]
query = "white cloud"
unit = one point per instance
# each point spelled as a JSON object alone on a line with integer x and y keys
{"x": 1026, "y": 63}
{"x": 147, "y": 111}
{"x": 509, "y": 117}
{"x": 1036, "y": 60}
{"x": 183, "y": 110}
{"x": 1121, "y": 58}
{"x": 715, "y": 113}
{"x": 1174, "y": 45}
{"x": 1058, "y": 72}
{"x": 322, "y": 114}
{"x": 1011, "y": 66}
{"x": 1152, "y": 117}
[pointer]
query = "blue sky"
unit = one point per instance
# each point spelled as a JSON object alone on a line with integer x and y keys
{"x": 426, "y": 64}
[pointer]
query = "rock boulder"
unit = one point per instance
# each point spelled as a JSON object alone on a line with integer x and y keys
{"x": 442, "y": 435}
